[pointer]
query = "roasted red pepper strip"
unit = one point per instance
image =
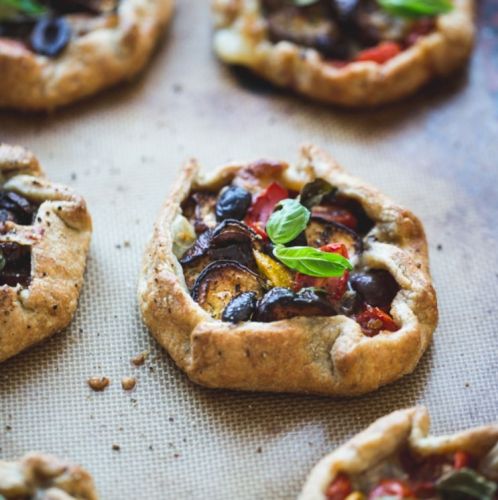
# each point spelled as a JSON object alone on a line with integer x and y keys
{"x": 379, "y": 54}
{"x": 335, "y": 213}
{"x": 335, "y": 287}
{"x": 391, "y": 488}
{"x": 461, "y": 459}
{"x": 339, "y": 488}
{"x": 373, "y": 319}
{"x": 262, "y": 207}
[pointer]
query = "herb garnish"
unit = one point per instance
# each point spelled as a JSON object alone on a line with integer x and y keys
{"x": 12, "y": 8}
{"x": 464, "y": 484}
{"x": 416, "y": 8}
{"x": 312, "y": 262}
{"x": 288, "y": 220}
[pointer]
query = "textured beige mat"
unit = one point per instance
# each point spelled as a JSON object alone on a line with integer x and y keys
{"x": 436, "y": 154}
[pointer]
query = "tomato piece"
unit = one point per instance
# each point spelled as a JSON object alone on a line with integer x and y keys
{"x": 461, "y": 459}
{"x": 335, "y": 213}
{"x": 373, "y": 319}
{"x": 379, "y": 54}
{"x": 391, "y": 488}
{"x": 262, "y": 207}
{"x": 258, "y": 228}
{"x": 335, "y": 287}
{"x": 339, "y": 488}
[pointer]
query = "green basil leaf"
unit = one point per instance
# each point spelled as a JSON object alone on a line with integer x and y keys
{"x": 416, "y": 8}
{"x": 313, "y": 193}
{"x": 304, "y": 3}
{"x": 288, "y": 220}
{"x": 464, "y": 484}
{"x": 3, "y": 262}
{"x": 13, "y": 8}
{"x": 312, "y": 262}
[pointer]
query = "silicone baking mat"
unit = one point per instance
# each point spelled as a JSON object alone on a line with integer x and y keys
{"x": 435, "y": 153}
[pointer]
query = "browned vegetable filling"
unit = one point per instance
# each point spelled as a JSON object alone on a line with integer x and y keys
{"x": 342, "y": 29}
{"x": 232, "y": 273}
{"x": 15, "y": 259}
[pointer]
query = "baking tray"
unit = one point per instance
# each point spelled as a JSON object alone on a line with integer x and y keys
{"x": 435, "y": 153}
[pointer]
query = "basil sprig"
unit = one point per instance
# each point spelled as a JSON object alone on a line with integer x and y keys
{"x": 466, "y": 483}
{"x": 312, "y": 262}
{"x": 288, "y": 220}
{"x": 13, "y": 8}
{"x": 416, "y": 8}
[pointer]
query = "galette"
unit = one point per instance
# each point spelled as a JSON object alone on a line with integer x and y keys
{"x": 54, "y": 52}
{"x": 43, "y": 477}
{"x": 45, "y": 232}
{"x": 274, "y": 277}
{"x": 395, "y": 458}
{"x": 346, "y": 52}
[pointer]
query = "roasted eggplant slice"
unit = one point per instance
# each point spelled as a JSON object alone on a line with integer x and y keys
{"x": 240, "y": 308}
{"x": 16, "y": 208}
{"x": 230, "y": 240}
{"x": 221, "y": 282}
{"x": 321, "y": 232}
{"x": 282, "y": 303}
{"x": 376, "y": 287}
{"x": 15, "y": 264}
{"x": 308, "y": 28}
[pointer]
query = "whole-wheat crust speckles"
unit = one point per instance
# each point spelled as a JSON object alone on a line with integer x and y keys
{"x": 59, "y": 240}
{"x": 241, "y": 38}
{"x": 325, "y": 355}
{"x": 45, "y": 477}
{"x": 385, "y": 437}
{"x": 90, "y": 62}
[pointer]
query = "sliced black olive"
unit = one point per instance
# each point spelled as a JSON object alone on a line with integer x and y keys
{"x": 221, "y": 282}
{"x": 50, "y": 36}
{"x": 377, "y": 287}
{"x": 321, "y": 232}
{"x": 282, "y": 303}
{"x": 232, "y": 203}
{"x": 230, "y": 240}
{"x": 240, "y": 308}
{"x": 15, "y": 264}
{"x": 16, "y": 208}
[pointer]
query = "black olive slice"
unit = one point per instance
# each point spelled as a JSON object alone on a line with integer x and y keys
{"x": 376, "y": 287}
{"x": 221, "y": 282}
{"x": 321, "y": 232}
{"x": 16, "y": 208}
{"x": 233, "y": 203}
{"x": 282, "y": 303}
{"x": 15, "y": 264}
{"x": 240, "y": 308}
{"x": 50, "y": 36}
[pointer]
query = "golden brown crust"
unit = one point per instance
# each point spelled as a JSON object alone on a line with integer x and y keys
{"x": 90, "y": 63}
{"x": 387, "y": 435}
{"x": 241, "y": 38}
{"x": 326, "y": 355}
{"x": 45, "y": 477}
{"x": 59, "y": 240}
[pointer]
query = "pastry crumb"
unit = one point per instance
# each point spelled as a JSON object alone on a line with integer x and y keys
{"x": 116, "y": 447}
{"x": 128, "y": 383}
{"x": 98, "y": 383}
{"x": 139, "y": 359}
